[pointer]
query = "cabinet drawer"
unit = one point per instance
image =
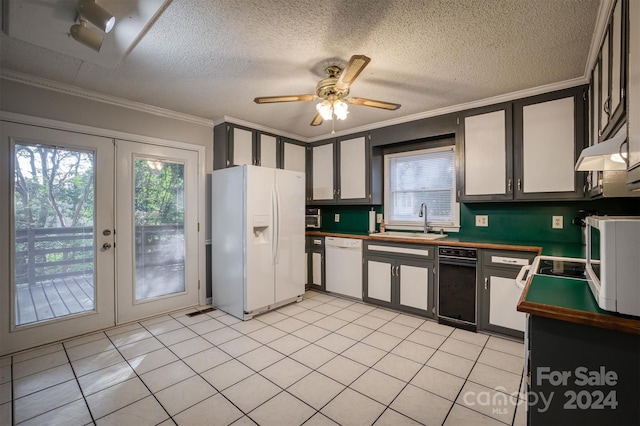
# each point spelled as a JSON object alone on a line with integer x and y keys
{"x": 316, "y": 242}
{"x": 422, "y": 252}
{"x": 507, "y": 259}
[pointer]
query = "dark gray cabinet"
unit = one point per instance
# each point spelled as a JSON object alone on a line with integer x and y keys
{"x": 400, "y": 276}
{"x": 235, "y": 145}
{"x": 610, "y": 74}
{"x": 340, "y": 171}
{"x": 523, "y": 150}
{"x": 499, "y": 293}
{"x": 633, "y": 97}
{"x": 581, "y": 375}
{"x": 315, "y": 263}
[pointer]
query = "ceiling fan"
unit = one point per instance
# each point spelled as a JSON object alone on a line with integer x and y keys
{"x": 333, "y": 90}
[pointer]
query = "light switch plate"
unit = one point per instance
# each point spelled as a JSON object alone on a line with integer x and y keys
{"x": 557, "y": 222}
{"x": 378, "y": 217}
{"x": 337, "y": 217}
{"x": 482, "y": 220}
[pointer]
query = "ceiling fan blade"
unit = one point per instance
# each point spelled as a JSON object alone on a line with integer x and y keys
{"x": 286, "y": 98}
{"x": 373, "y": 103}
{"x": 353, "y": 69}
{"x": 317, "y": 120}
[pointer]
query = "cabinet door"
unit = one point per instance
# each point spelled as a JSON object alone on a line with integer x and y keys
{"x": 294, "y": 157}
{"x": 605, "y": 84}
{"x": 322, "y": 166}
{"x": 548, "y": 147}
{"x": 353, "y": 169}
{"x": 242, "y": 141}
{"x": 633, "y": 97}
{"x": 379, "y": 276}
{"x": 549, "y": 135}
{"x": 487, "y": 155}
{"x": 414, "y": 285}
{"x": 316, "y": 269}
{"x": 268, "y": 150}
{"x": 616, "y": 105}
{"x": 501, "y": 295}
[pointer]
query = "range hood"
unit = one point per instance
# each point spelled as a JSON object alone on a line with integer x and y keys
{"x": 607, "y": 155}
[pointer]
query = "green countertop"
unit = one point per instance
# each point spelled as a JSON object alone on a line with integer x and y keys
{"x": 561, "y": 292}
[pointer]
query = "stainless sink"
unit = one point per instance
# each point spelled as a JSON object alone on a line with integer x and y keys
{"x": 412, "y": 235}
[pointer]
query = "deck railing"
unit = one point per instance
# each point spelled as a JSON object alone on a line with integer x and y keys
{"x": 49, "y": 253}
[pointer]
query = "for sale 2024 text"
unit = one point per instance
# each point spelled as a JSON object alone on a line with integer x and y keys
{"x": 583, "y": 399}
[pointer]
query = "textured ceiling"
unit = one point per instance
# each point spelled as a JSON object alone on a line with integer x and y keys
{"x": 210, "y": 58}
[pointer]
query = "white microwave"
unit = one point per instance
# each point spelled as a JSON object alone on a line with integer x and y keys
{"x": 613, "y": 262}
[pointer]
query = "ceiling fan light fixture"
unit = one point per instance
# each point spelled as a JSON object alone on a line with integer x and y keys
{"x": 96, "y": 14}
{"x": 325, "y": 109}
{"x": 84, "y": 35}
{"x": 340, "y": 109}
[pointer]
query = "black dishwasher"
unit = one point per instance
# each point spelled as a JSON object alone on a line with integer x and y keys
{"x": 457, "y": 286}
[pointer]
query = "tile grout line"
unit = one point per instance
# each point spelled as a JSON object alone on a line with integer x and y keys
{"x": 307, "y": 344}
{"x": 84, "y": 398}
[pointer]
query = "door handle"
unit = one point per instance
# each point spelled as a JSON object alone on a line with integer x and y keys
{"x": 106, "y": 246}
{"x": 486, "y": 280}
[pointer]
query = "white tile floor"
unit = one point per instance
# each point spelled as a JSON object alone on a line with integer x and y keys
{"x": 322, "y": 361}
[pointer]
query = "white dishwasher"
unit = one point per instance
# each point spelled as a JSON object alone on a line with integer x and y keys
{"x": 343, "y": 266}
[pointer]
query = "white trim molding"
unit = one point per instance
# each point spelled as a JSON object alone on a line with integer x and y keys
{"x": 100, "y": 97}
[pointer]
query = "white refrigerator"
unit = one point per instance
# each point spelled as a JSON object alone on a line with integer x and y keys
{"x": 257, "y": 239}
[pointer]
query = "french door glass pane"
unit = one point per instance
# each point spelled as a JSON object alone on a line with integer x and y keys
{"x": 159, "y": 228}
{"x": 53, "y": 232}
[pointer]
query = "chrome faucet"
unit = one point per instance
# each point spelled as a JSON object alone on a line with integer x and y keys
{"x": 423, "y": 213}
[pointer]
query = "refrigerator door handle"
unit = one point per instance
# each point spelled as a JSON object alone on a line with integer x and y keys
{"x": 274, "y": 232}
{"x": 277, "y": 225}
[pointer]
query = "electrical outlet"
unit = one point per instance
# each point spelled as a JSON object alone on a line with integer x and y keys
{"x": 557, "y": 222}
{"x": 337, "y": 217}
{"x": 378, "y": 217}
{"x": 482, "y": 220}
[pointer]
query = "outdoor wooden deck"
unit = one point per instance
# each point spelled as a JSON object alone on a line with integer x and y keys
{"x": 53, "y": 298}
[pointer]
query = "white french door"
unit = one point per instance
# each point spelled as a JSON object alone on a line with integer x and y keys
{"x": 96, "y": 232}
{"x": 56, "y": 259}
{"x": 156, "y": 229}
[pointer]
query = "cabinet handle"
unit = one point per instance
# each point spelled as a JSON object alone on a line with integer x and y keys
{"x": 338, "y": 192}
{"x": 519, "y": 184}
{"x": 607, "y": 106}
{"x": 508, "y": 185}
{"x": 228, "y": 163}
{"x": 486, "y": 281}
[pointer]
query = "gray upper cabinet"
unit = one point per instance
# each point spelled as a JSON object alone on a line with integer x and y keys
{"x": 610, "y": 75}
{"x": 234, "y": 145}
{"x": 525, "y": 150}
{"x": 293, "y": 155}
{"x": 486, "y": 151}
{"x": 341, "y": 172}
{"x": 633, "y": 98}
{"x": 549, "y": 134}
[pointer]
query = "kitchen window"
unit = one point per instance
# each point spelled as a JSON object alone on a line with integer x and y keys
{"x": 421, "y": 176}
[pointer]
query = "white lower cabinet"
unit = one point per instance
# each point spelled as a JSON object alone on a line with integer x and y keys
{"x": 499, "y": 294}
{"x": 379, "y": 283}
{"x": 414, "y": 286}
{"x": 503, "y": 299}
{"x": 400, "y": 277}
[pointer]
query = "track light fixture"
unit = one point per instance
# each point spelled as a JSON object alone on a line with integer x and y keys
{"x": 97, "y": 15}
{"x": 88, "y": 10}
{"x": 84, "y": 35}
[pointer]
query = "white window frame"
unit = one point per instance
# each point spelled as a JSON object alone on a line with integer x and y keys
{"x": 418, "y": 225}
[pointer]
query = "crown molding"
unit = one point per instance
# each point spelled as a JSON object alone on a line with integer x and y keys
{"x": 239, "y": 122}
{"x": 602, "y": 20}
{"x": 100, "y": 97}
{"x": 462, "y": 107}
